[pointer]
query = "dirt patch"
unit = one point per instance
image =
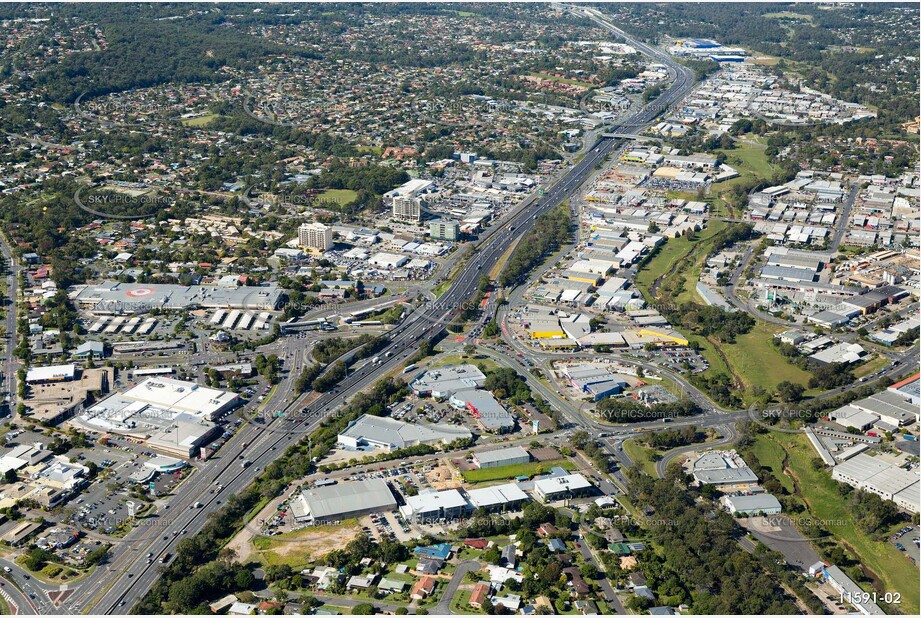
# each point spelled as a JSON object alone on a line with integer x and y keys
{"x": 444, "y": 476}
{"x": 544, "y": 453}
{"x": 296, "y": 549}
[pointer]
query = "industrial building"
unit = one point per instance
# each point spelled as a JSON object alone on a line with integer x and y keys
{"x": 843, "y": 352}
{"x": 391, "y": 434}
{"x": 180, "y": 396}
{"x": 565, "y": 487}
{"x": 184, "y": 436}
{"x": 891, "y": 407}
{"x": 114, "y": 297}
{"x": 882, "y": 478}
{"x": 315, "y": 235}
{"x": 756, "y": 504}
{"x": 432, "y": 506}
{"x": 498, "y": 498}
{"x": 501, "y": 457}
{"x": 849, "y": 416}
{"x": 596, "y": 381}
{"x": 724, "y": 469}
{"x": 489, "y": 413}
{"x": 442, "y": 382}
{"x": 331, "y": 503}
{"x": 854, "y": 593}
{"x": 909, "y": 388}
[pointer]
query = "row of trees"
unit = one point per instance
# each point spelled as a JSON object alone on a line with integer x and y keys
{"x": 328, "y": 350}
{"x": 550, "y": 232}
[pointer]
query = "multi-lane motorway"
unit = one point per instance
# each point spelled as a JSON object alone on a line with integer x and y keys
{"x": 133, "y": 567}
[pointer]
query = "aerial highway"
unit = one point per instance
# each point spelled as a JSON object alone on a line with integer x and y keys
{"x": 134, "y": 567}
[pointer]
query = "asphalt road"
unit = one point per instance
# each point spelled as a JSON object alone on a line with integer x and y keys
{"x": 10, "y": 364}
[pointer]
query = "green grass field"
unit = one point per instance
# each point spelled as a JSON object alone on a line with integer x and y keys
{"x": 771, "y": 455}
{"x": 753, "y": 353}
{"x": 641, "y": 456}
{"x": 340, "y": 196}
{"x": 750, "y": 161}
{"x": 286, "y": 548}
{"x": 820, "y": 493}
{"x": 871, "y": 366}
{"x": 457, "y": 359}
{"x": 200, "y": 121}
{"x": 460, "y": 604}
{"x": 509, "y": 472}
{"x": 788, "y": 15}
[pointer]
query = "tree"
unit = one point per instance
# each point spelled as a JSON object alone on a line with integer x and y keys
{"x": 589, "y": 572}
{"x": 790, "y": 392}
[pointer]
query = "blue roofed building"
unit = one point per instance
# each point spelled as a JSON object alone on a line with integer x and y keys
{"x": 556, "y": 545}
{"x": 441, "y": 551}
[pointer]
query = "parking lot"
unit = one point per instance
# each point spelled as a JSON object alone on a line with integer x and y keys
{"x": 906, "y": 541}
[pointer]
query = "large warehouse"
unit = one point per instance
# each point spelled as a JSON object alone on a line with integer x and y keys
{"x": 488, "y": 412}
{"x": 442, "y": 382}
{"x": 163, "y": 396}
{"x": 391, "y": 434}
{"x": 173, "y": 416}
{"x": 501, "y": 457}
{"x": 332, "y": 503}
{"x": 755, "y": 504}
{"x": 882, "y": 478}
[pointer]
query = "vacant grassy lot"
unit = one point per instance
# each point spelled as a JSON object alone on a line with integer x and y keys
{"x": 772, "y": 455}
{"x": 757, "y": 361}
{"x": 820, "y": 494}
{"x": 200, "y": 121}
{"x": 750, "y": 161}
{"x": 304, "y": 546}
{"x": 788, "y": 15}
{"x": 457, "y": 359}
{"x": 871, "y": 366}
{"x": 339, "y": 196}
{"x": 752, "y": 352}
{"x": 641, "y": 456}
{"x": 509, "y": 472}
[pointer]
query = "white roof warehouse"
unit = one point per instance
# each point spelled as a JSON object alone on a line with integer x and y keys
{"x": 391, "y": 434}
{"x": 881, "y": 478}
{"x": 53, "y": 373}
{"x": 343, "y": 501}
